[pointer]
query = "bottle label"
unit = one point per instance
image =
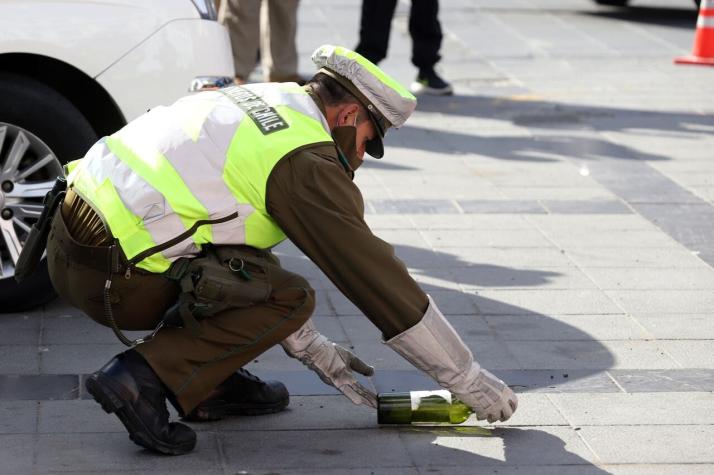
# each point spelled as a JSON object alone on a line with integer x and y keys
{"x": 416, "y": 397}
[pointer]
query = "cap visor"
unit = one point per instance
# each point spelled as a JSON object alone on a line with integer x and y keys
{"x": 375, "y": 147}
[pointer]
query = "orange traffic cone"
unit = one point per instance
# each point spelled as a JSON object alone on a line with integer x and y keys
{"x": 703, "y": 51}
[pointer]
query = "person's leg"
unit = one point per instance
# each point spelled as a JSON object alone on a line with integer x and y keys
{"x": 425, "y": 31}
{"x": 277, "y": 40}
{"x": 192, "y": 365}
{"x": 242, "y": 18}
{"x": 375, "y": 27}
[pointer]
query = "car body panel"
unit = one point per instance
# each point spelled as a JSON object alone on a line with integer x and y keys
{"x": 89, "y": 35}
{"x": 192, "y": 46}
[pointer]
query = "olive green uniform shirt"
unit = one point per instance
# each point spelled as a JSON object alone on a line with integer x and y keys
{"x": 312, "y": 198}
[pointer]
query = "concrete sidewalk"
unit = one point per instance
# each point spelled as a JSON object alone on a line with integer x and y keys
{"x": 559, "y": 209}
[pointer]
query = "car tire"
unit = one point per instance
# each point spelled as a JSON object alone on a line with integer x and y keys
{"x": 36, "y": 110}
{"x": 612, "y": 3}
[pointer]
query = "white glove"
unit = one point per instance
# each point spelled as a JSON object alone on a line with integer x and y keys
{"x": 433, "y": 346}
{"x": 332, "y": 363}
{"x": 490, "y": 398}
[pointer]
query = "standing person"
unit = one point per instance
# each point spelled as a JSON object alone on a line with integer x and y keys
{"x": 268, "y": 26}
{"x": 425, "y": 30}
{"x": 169, "y": 222}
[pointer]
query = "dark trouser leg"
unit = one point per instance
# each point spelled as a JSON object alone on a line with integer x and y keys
{"x": 375, "y": 26}
{"x": 425, "y": 31}
{"x": 193, "y": 365}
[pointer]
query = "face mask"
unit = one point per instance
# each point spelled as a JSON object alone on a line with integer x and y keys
{"x": 345, "y": 136}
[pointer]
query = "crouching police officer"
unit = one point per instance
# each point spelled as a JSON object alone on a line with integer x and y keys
{"x": 168, "y": 224}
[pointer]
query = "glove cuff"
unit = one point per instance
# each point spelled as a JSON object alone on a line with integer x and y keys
{"x": 433, "y": 346}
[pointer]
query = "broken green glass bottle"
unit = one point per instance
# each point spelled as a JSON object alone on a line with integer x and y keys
{"x": 421, "y": 407}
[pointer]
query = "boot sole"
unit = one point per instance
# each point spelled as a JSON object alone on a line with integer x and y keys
{"x": 100, "y": 387}
{"x": 219, "y": 411}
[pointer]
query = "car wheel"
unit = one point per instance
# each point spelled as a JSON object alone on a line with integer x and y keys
{"x": 39, "y": 131}
{"x": 612, "y": 3}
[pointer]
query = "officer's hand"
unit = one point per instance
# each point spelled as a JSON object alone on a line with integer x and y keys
{"x": 490, "y": 398}
{"x": 332, "y": 363}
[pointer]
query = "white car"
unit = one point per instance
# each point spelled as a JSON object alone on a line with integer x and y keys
{"x": 74, "y": 71}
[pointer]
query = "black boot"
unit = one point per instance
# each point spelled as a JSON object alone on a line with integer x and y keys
{"x": 129, "y": 387}
{"x": 241, "y": 394}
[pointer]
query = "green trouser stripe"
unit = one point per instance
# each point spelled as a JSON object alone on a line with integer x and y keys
{"x": 251, "y": 158}
{"x": 158, "y": 172}
{"x": 124, "y": 225}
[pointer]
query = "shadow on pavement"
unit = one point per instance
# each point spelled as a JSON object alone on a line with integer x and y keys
{"x": 545, "y": 148}
{"x": 545, "y": 114}
{"x": 670, "y": 17}
{"x": 504, "y": 337}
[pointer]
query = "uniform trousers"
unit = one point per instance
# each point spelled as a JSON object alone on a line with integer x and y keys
{"x": 424, "y": 28}
{"x": 270, "y": 25}
{"x": 191, "y": 364}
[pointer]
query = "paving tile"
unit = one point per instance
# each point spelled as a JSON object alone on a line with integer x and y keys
{"x": 591, "y": 354}
{"x": 334, "y": 412}
{"x": 660, "y": 469}
{"x": 18, "y": 417}
{"x": 506, "y": 447}
{"x": 678, "y": 326}
{"x": 16, "y": 453}
{"x": 526, "y": 468}
{"x": 691, "y": 353}
{"x": 77, "y": 358}
{"x": 564, "y": 222}
{"x": 664, "y": 301}
{"x": 561, "y": 302}
{"x": 620, "y": 409}
{"x": 663, "y": 380}
{"x": 29, "y": 387}
{"x": 652, "y": 445}
{"x": 559, "y": 380}
{"x": 587, "y": 238}
{"x": 512, "y": 257}
{"x": 651, "y": 257}
{"x": 76, "y": 416}
{"x": 20, "y": 329}
{"x": 565, "y": 327}
{"x": 486, "y": 276}
{"x": 113, "y": 452}
{"x": 485, "y": 238}
{"x": 618, "y": 278}
{"x": 328, "y": 450}
{"x": 470, "y": 221}
{"x": 586, "y": 207}
{"x": 19, "y": 359}
{"x": 433, "y": 206}
{"x": 501, "y": 207}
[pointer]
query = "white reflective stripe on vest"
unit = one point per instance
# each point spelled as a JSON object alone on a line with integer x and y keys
{"x": 189, "y": 142}
{"x": 139, "y": 197}
{"x": 205, "y": 181}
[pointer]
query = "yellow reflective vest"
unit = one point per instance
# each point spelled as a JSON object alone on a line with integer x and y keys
{"x": 197, "y": 169}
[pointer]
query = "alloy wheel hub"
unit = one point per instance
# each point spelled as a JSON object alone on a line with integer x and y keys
{"x": 28, "y": 169}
